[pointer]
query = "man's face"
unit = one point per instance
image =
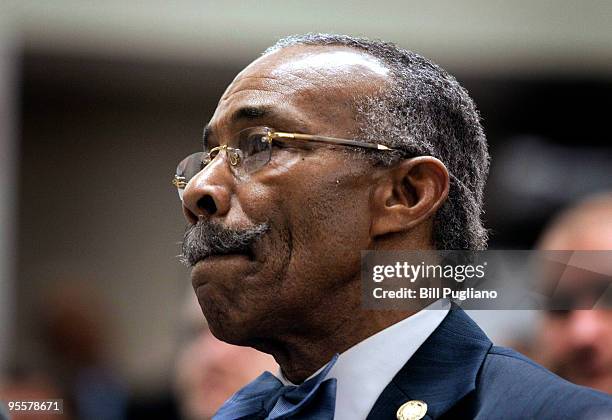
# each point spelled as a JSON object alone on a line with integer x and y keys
{"x": 315, "y": 201}
{"x": 209, "y": 371}
{"x": 577, "y": 344}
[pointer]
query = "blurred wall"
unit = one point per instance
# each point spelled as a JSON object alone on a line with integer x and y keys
{"x": 524, "y": 36}
{"x": 99, "y": 145}
{"x": 8, "y": 188}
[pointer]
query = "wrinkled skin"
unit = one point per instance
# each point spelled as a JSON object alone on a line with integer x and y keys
{"x": 298, "y": 296}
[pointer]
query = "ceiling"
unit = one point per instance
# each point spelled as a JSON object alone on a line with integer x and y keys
{"x": 480, "y": 36}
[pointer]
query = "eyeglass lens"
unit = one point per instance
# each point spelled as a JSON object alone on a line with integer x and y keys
{"x": 249, "y": 151}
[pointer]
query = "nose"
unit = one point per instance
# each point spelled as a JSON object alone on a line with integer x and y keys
{"x": 585, "y": 328}
{"x": 208, "y": 194}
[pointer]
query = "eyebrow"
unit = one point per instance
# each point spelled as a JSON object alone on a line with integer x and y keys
{"x": 242, "y": 113}
{"x": 250, "y": 113}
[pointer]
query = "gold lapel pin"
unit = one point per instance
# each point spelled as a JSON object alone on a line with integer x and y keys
{"x": 412, "y": 410}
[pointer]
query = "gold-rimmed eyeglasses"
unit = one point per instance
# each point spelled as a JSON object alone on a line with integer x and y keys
{"x": 251, "y": 149}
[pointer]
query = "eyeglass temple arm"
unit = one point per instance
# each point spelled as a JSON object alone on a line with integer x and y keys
{"x": 332, "y": 140}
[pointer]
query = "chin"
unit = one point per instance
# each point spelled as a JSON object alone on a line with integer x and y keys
{"x": 226, "y": 333}
{"x": 246, "y": 311}
{"x": 227, "y": 324}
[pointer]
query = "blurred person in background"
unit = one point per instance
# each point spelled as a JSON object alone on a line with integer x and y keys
{"x": 77, "y": 335}
{"x": 30, "y": 385}
{"x": 577, "y": 344}
{"x": 209, "y": 371}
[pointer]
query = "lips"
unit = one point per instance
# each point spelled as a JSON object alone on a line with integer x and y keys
{"x": 221, "y": 270}
{"x": 208, "y": 253}
{"x": 246, "y": 252}
{"x": 223, "y": 258}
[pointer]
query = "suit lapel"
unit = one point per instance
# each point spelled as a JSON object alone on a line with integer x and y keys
{"x": 441, "y": 372}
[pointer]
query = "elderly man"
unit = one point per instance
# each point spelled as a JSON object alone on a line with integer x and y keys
{"x": 325, "y": 146}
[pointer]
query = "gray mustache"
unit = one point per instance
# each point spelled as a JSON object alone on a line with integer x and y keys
{"x": 205, "y": 239}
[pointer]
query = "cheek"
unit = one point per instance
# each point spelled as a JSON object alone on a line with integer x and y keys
{"x": 554, "y": 337}
{"x": 319, "y": 219}
{"x": 330, "y": 226}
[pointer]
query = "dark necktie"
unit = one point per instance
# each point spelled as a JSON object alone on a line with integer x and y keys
{"x": 267, "y": 398}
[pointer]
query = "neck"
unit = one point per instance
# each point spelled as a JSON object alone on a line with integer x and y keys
{"x": 338, "y": 325}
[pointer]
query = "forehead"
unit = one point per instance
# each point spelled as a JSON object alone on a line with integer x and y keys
{"x": 308, "y": 84}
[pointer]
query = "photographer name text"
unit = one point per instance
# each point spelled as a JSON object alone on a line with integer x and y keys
{"x": 433, "y": 293}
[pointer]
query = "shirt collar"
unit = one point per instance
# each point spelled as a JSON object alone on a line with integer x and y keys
{"x": 364, "y": 370}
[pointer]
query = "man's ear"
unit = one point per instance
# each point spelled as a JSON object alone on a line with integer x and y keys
{"x": 409, "y": 194}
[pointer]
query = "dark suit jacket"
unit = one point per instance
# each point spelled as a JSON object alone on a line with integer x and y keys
{"x": 460, "y": 374}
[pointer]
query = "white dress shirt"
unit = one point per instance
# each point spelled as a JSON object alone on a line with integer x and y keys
{"x": 364, "y": 370}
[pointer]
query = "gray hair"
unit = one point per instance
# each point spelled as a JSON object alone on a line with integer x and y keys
{"x": 424, "y": 112}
